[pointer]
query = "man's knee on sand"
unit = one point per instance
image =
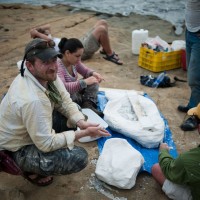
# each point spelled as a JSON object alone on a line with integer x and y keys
{"x": 172, "y": 190}
{"x": 101, "y": 28}
{"x": 99, "y": 32}
{"x": 176, "y": 191}
{"x": 59, "y": 162}
{"x": 101, "y": 22}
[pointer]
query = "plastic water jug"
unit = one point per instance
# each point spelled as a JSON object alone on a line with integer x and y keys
{"x": 138, "y": 37}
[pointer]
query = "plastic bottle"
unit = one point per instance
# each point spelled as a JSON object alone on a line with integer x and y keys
{"x": 158, "y": 80}
{"x": 138, "y": 37}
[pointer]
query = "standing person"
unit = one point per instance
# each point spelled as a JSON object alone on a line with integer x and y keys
{"x": 83, "y": 91}
{"x": 194, "y": 113}
{"x": 180, "y": 177}
{"x": 192, "y": 19}
{"x": 92, "y": 40}
{"x": 42, "y": 144}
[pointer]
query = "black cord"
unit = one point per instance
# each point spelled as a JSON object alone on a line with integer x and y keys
{"x": 177, "y": 79}
{"x": 22, "y": 66}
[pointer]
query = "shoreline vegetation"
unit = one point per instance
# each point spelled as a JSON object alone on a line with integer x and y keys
{"x": 15, "y": 22}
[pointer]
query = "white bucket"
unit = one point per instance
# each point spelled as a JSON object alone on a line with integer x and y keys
{"x": 138, "y": 37}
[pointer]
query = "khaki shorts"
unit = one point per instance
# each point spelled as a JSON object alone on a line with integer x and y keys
{"x": 91, "y": 45}
{"x": 176, "y": 192}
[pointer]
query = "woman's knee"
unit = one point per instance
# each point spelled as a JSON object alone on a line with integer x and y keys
{"x": 93, "y": 88}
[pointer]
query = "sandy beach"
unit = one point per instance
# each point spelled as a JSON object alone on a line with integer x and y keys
{"x": 15, "y": 23}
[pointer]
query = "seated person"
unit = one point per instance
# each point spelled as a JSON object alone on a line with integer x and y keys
{"x": 180, "y": 177}
{"x": 83, "y": 91}
{"x": 38, "y": 119}
{"x": 96, "y": 37}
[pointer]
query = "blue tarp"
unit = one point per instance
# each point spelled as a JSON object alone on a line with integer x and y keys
{"x": 150, "y": 155}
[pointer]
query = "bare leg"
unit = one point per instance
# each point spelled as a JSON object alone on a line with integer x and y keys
{"x": 42, "y": 180}
{"x": 158, "y": 174}
{"x": 100, "y": 32}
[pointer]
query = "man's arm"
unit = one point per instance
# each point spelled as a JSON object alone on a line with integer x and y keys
{"x": 37, "y": 118}
{"x": 41, "y": 32}
{"x": 68, "y": 108}
{"x": 173, "y": 169}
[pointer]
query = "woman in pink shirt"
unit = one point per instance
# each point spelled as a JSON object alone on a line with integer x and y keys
{"x": 82, "y": 91}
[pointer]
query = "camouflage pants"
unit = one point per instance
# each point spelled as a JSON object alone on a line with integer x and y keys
{"x": 59, "y": 162}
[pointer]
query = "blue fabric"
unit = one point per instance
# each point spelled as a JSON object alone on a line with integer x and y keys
{"x": 156, "y": 81}
{"x": 193, "y": 66}
{"x": 150, "y": 155}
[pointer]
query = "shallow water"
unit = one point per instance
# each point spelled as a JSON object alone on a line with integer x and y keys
{"x": 169, "y": 10}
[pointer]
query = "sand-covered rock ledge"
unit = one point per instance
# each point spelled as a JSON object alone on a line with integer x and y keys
{"x": 15, "y": 22}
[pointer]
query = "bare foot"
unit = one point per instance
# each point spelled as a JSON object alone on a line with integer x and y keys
{"x": 37, "y": 179}
{"x": 41, "y": 178}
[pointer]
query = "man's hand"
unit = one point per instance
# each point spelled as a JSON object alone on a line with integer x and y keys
{"x": 90, "y": 129}
{"x": 164, "y": 146}
{"x": 85, "y": 124}
{"x": 92, "y": 132}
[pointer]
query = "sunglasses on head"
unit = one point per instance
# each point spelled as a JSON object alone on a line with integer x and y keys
{"x": 39, "y": 46}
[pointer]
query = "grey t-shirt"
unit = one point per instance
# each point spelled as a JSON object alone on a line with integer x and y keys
{"x": 192, "y": 15}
